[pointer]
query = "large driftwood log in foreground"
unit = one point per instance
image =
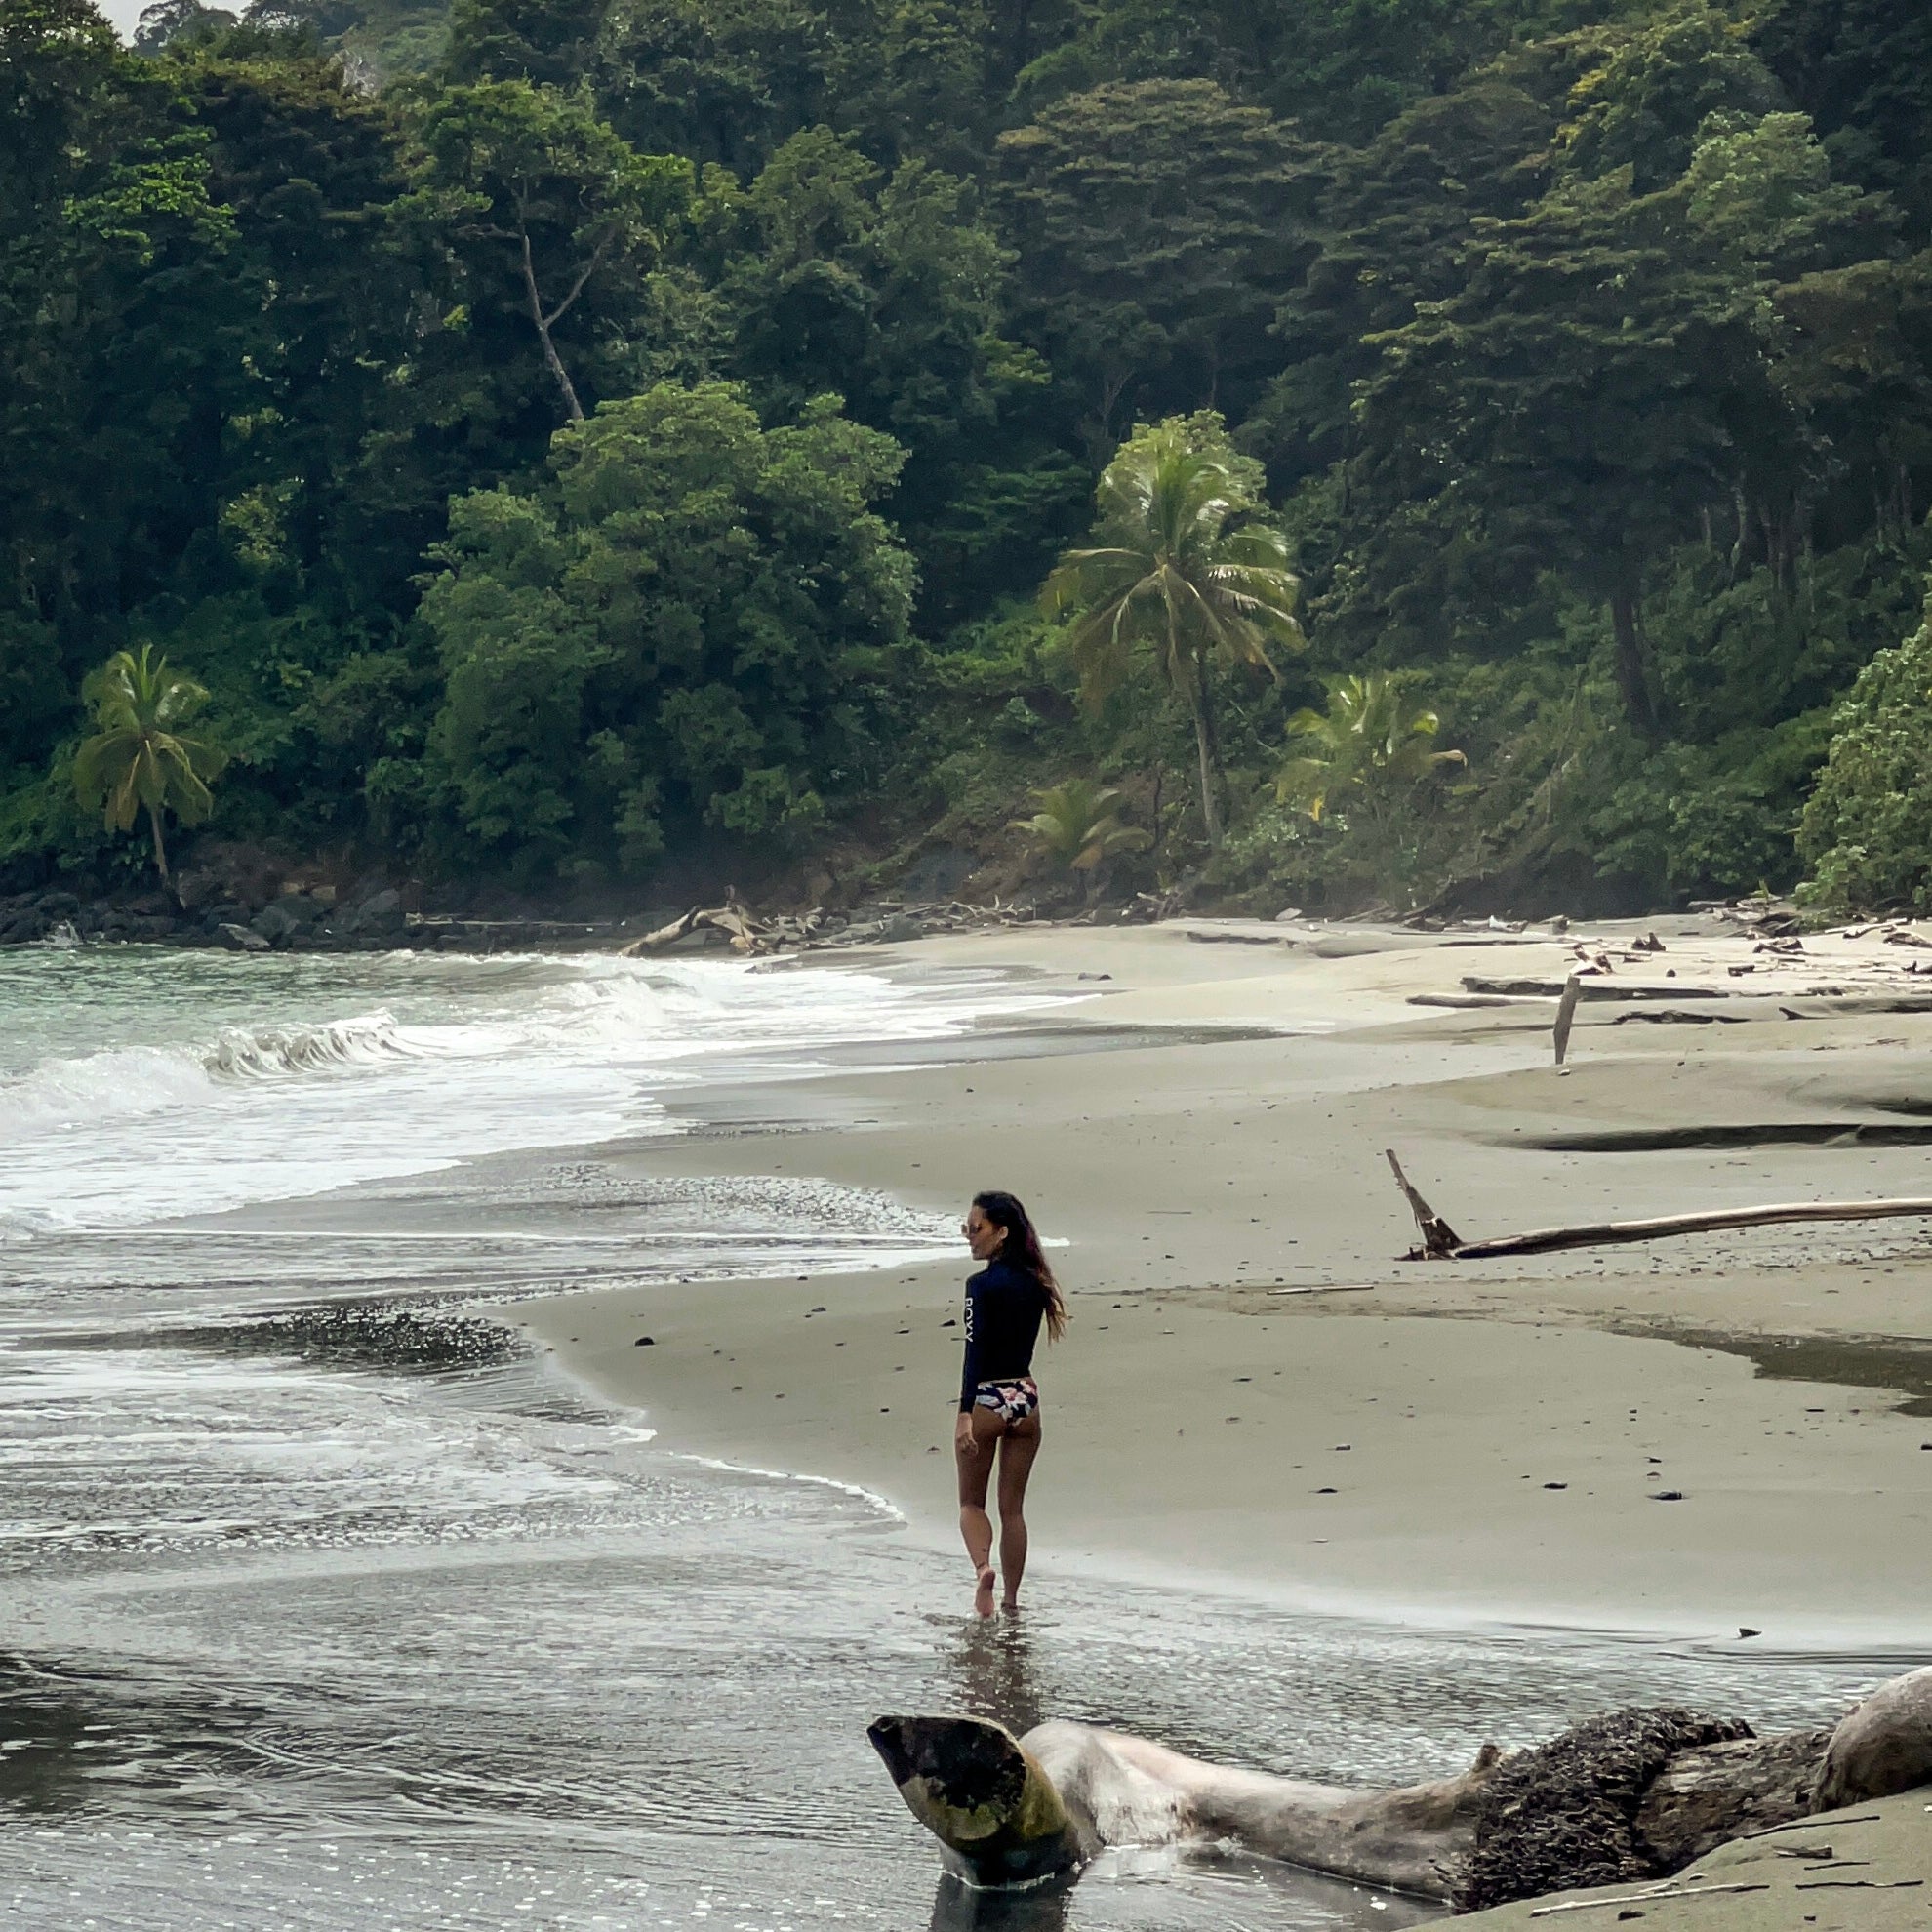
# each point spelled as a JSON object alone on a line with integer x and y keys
{"x": 1440, "y": 1242}
{"x": 1013, "y": 1811}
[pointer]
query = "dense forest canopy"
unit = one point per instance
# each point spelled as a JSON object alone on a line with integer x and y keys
{"x": 580, "y": 443}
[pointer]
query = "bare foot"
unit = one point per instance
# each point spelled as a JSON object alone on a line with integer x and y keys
{"x": 982, "y": 1597}
{"x": 1009, "y": 1605}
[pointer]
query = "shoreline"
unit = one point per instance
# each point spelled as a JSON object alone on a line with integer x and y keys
{"x": 1438, "y": 1442}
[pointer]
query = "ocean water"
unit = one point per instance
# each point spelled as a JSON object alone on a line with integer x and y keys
{"x": 323, "y": 1607}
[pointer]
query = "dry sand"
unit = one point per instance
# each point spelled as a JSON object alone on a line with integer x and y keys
{"x": 1424, "y": 1440}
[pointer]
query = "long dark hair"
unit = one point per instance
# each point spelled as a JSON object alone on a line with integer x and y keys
{"x": 1021, "y": 1250}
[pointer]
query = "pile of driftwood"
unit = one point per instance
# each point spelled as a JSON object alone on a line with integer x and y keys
{"x": 887, "y": 922}
{"x": 1771, "y": 918}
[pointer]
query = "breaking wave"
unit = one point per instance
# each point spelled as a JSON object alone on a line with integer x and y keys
{"x": 217, "y": 1081}
{"x": 368, "y": 1040}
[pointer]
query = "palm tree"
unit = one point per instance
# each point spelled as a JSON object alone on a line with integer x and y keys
{"x": 1080, "y": 825}
{"x": 1178, "y": 569}
{"x": 1370, "y": 737}
{"x": 137, "y": 758}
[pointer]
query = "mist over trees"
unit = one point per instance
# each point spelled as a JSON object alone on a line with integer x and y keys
{"x": 577, "y": 443}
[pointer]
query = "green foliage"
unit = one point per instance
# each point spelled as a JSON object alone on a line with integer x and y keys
{"x": 1574, "y": 356}
{"x": 1079, "y": 825}
{"x": 1157, "y": 226}
{"x": 1182, "y": 570}
{"x": 688, "y": 627}
{"x": 1370, "y": 743}
{"x": 139, "y": 758}
{"x": 541, "y": 198}
{"x": 1868, "y": 829}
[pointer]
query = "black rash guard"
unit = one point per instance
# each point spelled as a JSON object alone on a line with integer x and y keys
{"x": 1004, "y": 1308}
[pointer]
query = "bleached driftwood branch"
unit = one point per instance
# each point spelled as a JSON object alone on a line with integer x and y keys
{"x": 1440, "y": 1241}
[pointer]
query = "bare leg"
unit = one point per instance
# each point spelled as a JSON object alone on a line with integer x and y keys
{"x": 976, "y": 1463}
{"x": 1018, "y": 1448}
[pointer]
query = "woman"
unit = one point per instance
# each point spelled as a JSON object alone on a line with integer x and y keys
{"x": 1000, "y": 1406}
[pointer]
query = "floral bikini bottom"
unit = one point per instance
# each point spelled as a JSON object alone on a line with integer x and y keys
{"x": 1011, "y": 1401}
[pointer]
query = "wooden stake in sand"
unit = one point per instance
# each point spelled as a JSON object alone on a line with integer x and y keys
{"x": 1439, "y": 1239}
{"x": 1441, "y": 1243}
{"x": 1566, "y": 1012}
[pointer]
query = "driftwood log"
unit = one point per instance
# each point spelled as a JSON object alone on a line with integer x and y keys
{"x": 732, "y": 919}
{"x": 1641, "y": 1794}
{"x": 1012, "y": 1810}
{"x": 887, "y": 923}
{"x": 1440, "y": 1242}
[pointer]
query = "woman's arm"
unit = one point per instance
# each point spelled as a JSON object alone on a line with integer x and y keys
{"x": 969, "y": 1367}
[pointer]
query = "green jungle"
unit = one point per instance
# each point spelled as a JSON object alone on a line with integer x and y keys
{"x": 1356, "y": 454}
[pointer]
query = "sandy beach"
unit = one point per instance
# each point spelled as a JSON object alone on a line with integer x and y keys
{"x": 1699, "y": 1436}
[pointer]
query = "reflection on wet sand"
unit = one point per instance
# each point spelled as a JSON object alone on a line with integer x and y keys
{"x": 960, "y": 1907}
{"x": 993, "y": 1667}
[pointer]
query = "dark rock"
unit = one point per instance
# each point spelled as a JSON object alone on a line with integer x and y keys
{"x": 357, "y": 1334}
{"x": 153, "y": 926}
{"x": 383, "y": 908}
{"x": 220, "y": 871}
{"x": 58, "y": 904}
{"x": 241, "y": 938}
{"x": 938, "y": 873}
{"x": 278, "y": 923}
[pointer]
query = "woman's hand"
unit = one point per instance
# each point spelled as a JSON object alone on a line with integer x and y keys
{"x": 962, "y": 1432}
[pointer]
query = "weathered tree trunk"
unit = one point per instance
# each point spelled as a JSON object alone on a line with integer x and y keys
{"x": 1704, "y": 1798}
{"x": 160, "y": 845}
{"x": 1633, "y": 672}
{"x": 1204, "y": 749}
{"x": 552, "y": 360}
{"x": 1440, "y": 1241}
{"x": 1013, "y": 1810}
{"x": 1000, "y": 1817}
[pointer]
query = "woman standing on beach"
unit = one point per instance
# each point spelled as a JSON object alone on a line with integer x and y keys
{"x": 1000, "y": 1406}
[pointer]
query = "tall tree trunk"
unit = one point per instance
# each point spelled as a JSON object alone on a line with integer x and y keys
{"x": 552, "y": 358}
{"x": 160, "y": 846}
{"x": 1633, "y": 673}
{"x": 1204, "y": 747}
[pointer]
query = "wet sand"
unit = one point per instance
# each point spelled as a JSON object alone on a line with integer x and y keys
{"x": 1514, "y": 1441}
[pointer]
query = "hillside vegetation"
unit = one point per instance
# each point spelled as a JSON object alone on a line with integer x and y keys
{"x": 596, "y": 445}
